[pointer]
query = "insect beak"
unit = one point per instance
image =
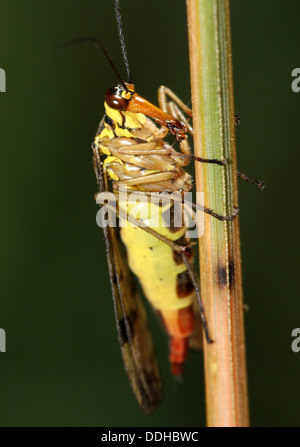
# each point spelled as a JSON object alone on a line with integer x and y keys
{"x": 138, "y": 104}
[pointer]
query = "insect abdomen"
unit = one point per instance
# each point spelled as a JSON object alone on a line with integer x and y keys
{"x": 164, "y": 278}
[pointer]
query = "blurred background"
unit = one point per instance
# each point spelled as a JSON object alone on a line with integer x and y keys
{"x": 63, "y": 366}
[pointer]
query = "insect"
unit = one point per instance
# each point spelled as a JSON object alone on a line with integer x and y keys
{"x": 131, "y": 155}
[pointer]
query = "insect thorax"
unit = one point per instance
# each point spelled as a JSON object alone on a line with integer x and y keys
{"x": 122, "y": 131}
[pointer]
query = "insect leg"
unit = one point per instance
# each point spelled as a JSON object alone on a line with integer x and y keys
{"x": 177, "y": 113}
{"x": 248, "y": 179}
{"x": 237, "y": 120}
{"x": 163, "y": 92}
{"x": 149, "y": 149}
{"x": 142, "y": 149}
{"x": 198, "y": 295}
{"x": 178, "y": 198}
{"x": 174, "y": 108}
{"x": 150, "y": 178}
{"x": 139, "y": 151}
{"x": 121, "y": 145}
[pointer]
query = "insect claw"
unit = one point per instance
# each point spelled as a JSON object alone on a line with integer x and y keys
{"x": 230, "y": 218}
{"x": 261, "y": 185}
{"x": 236, "y": 211}
{"x": 223, "y": 218}
{"x": 237, "y": 120}
{"x": 207, "y": 336}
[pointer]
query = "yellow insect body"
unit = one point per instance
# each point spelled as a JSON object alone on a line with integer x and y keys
{"x": 152, "y": 260}
{"x": 149, "y": 258}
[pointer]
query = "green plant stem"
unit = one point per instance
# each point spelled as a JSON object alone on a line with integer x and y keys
{"x": 220, "y": 260}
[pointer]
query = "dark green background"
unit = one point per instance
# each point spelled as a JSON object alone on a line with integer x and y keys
{"x": 63, "y": 365}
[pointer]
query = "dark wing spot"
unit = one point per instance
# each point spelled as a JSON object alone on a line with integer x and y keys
{"x": 117, "y": 277}
{"x": 184, "y": 285}
{"x": 126, "y": 328}
{"x": 123, "y": 331}
{"x": 114, "y": 278}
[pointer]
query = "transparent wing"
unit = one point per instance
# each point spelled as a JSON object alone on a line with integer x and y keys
{"x": 133, "y": 331}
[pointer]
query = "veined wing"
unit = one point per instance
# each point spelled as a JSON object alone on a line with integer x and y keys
{"x": 133, "y": 332}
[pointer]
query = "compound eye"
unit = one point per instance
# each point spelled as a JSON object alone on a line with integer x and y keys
{"x": 115, "y": 101}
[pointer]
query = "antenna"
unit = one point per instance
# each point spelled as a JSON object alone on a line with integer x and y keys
{"x": 122, "y": 40}
{"x": 100, "y": 45}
